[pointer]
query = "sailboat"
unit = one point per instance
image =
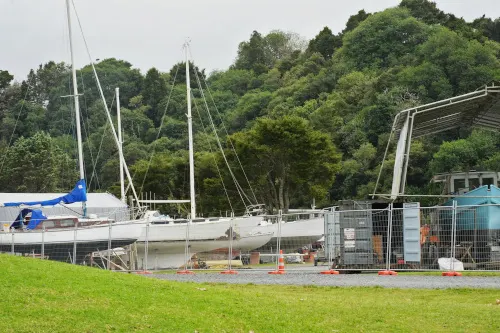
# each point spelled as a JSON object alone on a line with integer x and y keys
{"x": 66, "y": 236}
{"x": 164, "y": 239}
{"x": 304, "y": 228}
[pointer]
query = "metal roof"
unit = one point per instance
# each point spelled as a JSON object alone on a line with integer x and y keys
{"x": 480, "y": 108}
{"x": 94, "y": 200}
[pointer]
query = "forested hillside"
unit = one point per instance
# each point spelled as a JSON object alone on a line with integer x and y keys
{"x": 306, "y": 119}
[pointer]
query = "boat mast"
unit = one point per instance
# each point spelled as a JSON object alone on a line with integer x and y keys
{"x": 120, "y": 142}
{"x": 190, "y": 134}
{"x": 77, "y": 105}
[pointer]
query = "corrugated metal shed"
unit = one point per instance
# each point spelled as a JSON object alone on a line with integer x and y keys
{"x": 102, "y": 204}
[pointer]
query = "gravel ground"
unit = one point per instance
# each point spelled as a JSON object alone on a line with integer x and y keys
{"x": 343, "y": 280}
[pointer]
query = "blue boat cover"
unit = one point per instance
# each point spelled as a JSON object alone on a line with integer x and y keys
{"x": 78, "y": 194}
{"x": 36, "y": 218}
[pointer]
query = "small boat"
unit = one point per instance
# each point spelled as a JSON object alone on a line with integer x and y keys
{"x": 63, "y": 237}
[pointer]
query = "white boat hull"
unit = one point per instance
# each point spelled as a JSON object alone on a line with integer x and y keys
{"x": 58, "y": 244}
{"x": 295, "y": 234}
{"x": 166, "y": 242}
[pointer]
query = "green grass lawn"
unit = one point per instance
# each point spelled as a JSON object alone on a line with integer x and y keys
{"x": 44, "y": 296}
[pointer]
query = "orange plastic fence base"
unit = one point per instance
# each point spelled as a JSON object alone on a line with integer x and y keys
{"x": 331, "y": 271}
{"x": 185, "y": 272}
{"x": 387, "y": 273}
{"x": 143, "y": 272}
{"x": 277, "y": 272}
{"x": 451, "y": 274}
{"x": 229, "y": 271}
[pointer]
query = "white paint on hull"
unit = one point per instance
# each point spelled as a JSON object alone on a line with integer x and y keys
{"x": 88, "y": 234}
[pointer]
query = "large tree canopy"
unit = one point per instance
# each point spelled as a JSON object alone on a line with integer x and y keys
{"x": 288, "y": 158}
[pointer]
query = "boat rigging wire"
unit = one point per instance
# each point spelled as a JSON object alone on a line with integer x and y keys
{"x": 213, "y": 156}
{"x": 225, "y": 130}
{"x": 108, "y": 114}
{"x": 235, "y": 180}
{"x": 159, "y": 130}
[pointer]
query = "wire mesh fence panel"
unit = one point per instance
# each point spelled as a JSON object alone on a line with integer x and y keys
{"x": 477, "y": 245}
{"x": 406, "y": 238}
{"x": 232, "y": 242}
{"x": 294, "y": 237}
{"x": 357, "y": 239}
{"x": 355, "y": 236}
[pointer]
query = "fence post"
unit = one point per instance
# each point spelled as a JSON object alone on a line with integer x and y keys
{"x": 278, "y": 241}
{"x": 12, "y": 241}
{"x": 43, "y": 243}
{"x": 453, "y": 236}
{"x": 230, "y": 250}
{"x": 146, "y": 250}
{"x": 389, "y": 238}
{"x": 74, "y": 242}
{"x": 329, "y": 238}
{"x": 109, "y": 246}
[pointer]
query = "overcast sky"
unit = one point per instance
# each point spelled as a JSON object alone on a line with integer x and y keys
{"x": 150, "y": 33}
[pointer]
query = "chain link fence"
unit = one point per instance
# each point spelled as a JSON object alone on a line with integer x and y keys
{"x": 356, "y": 236}
{"x": 411, "y": 237}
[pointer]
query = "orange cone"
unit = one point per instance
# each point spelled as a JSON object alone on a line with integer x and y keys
{"x": 330, "y": 271}
{"x": 143, "y": 272}
{"x": 185, "y": 272}
{"x": 281, "y": 265}
{"x": 229, "y": 272}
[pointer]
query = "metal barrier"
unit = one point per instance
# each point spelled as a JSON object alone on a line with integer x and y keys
{"x": 409, "y": 237}
{"x": 441, "y": 238}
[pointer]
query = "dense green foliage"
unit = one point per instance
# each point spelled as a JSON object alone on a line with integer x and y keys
{"x": 307, "y": 119}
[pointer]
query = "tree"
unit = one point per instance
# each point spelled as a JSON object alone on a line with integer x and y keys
{"x": 112, "y": 73}
{"x": 178, "y": 71}
{"x": 465, "y": 154}
{"x": 466, "y": 64}
{"x": 384, "y": 39}
{"x": 261, "y": 53}
{"x": 249, "y": 107}
{"x": 425, "y": 11}
{"x": 36, "y": 164}
{"x": 154, "y": 90}
{"x": 489, "y": 28}
{"x": 235, "y": 80}
{"x": 355, "y": 20}
{"x": 5, "y": 79}
{"x": 288, "y": 159}
{"x": 280, "y": 44}
{"x": 41, "y": 83}
{"x": 325, "y": 43}
{"x": 252, "y": 54}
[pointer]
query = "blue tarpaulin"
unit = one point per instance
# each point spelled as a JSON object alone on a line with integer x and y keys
{"x": 36, "y": 217}
{"x": 78, "y": 194}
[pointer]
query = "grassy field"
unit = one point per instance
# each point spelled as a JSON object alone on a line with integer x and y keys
{"x": 42, "y": 296}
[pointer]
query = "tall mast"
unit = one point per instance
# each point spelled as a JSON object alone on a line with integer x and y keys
{"x": 190, "y": 134}
{"x": 120, "y": 142}
{"x": 77, "y": 104}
